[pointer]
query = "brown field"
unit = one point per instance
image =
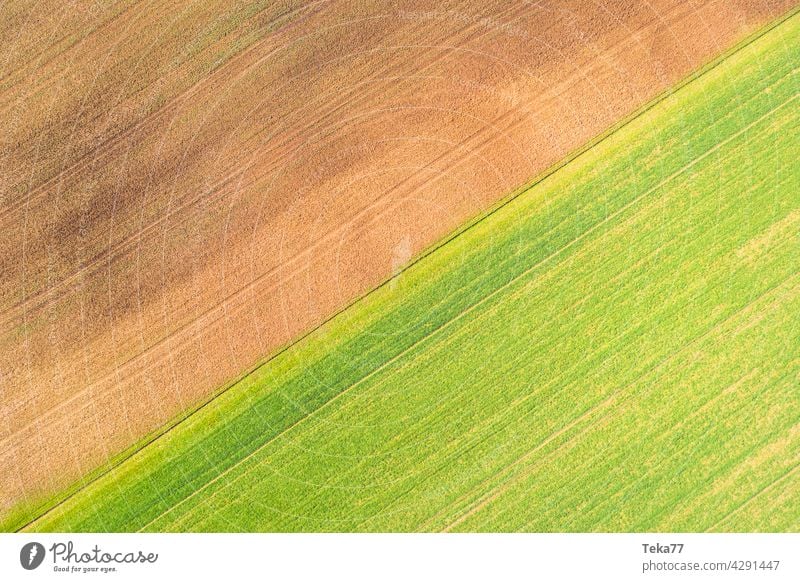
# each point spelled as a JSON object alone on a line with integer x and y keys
{"x": 185, "y": 187}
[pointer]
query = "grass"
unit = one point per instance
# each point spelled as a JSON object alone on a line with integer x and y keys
{"x": 615, "y": 349}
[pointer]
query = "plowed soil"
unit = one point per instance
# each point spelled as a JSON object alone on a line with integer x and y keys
{"x": 186, "y": 187}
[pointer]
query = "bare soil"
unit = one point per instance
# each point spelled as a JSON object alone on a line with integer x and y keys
{"x": 185, "y": 187}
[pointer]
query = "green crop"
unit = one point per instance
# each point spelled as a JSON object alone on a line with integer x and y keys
{"x": 616, "y": 348}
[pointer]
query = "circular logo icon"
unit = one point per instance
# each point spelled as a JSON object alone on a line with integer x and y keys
{"x": 31, "y": 555}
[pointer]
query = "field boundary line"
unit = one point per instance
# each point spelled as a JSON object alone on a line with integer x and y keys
{"x": 153, "y": 435}
{"x": 499, "y": 290}
{"x": 130, "y": 452}
{"x": 210, "y": 313}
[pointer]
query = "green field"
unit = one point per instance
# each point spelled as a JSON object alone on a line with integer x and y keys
{"x": 617, "y": 348}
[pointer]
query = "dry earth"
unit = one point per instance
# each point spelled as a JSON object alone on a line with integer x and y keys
{"x": 185, "y": 187}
